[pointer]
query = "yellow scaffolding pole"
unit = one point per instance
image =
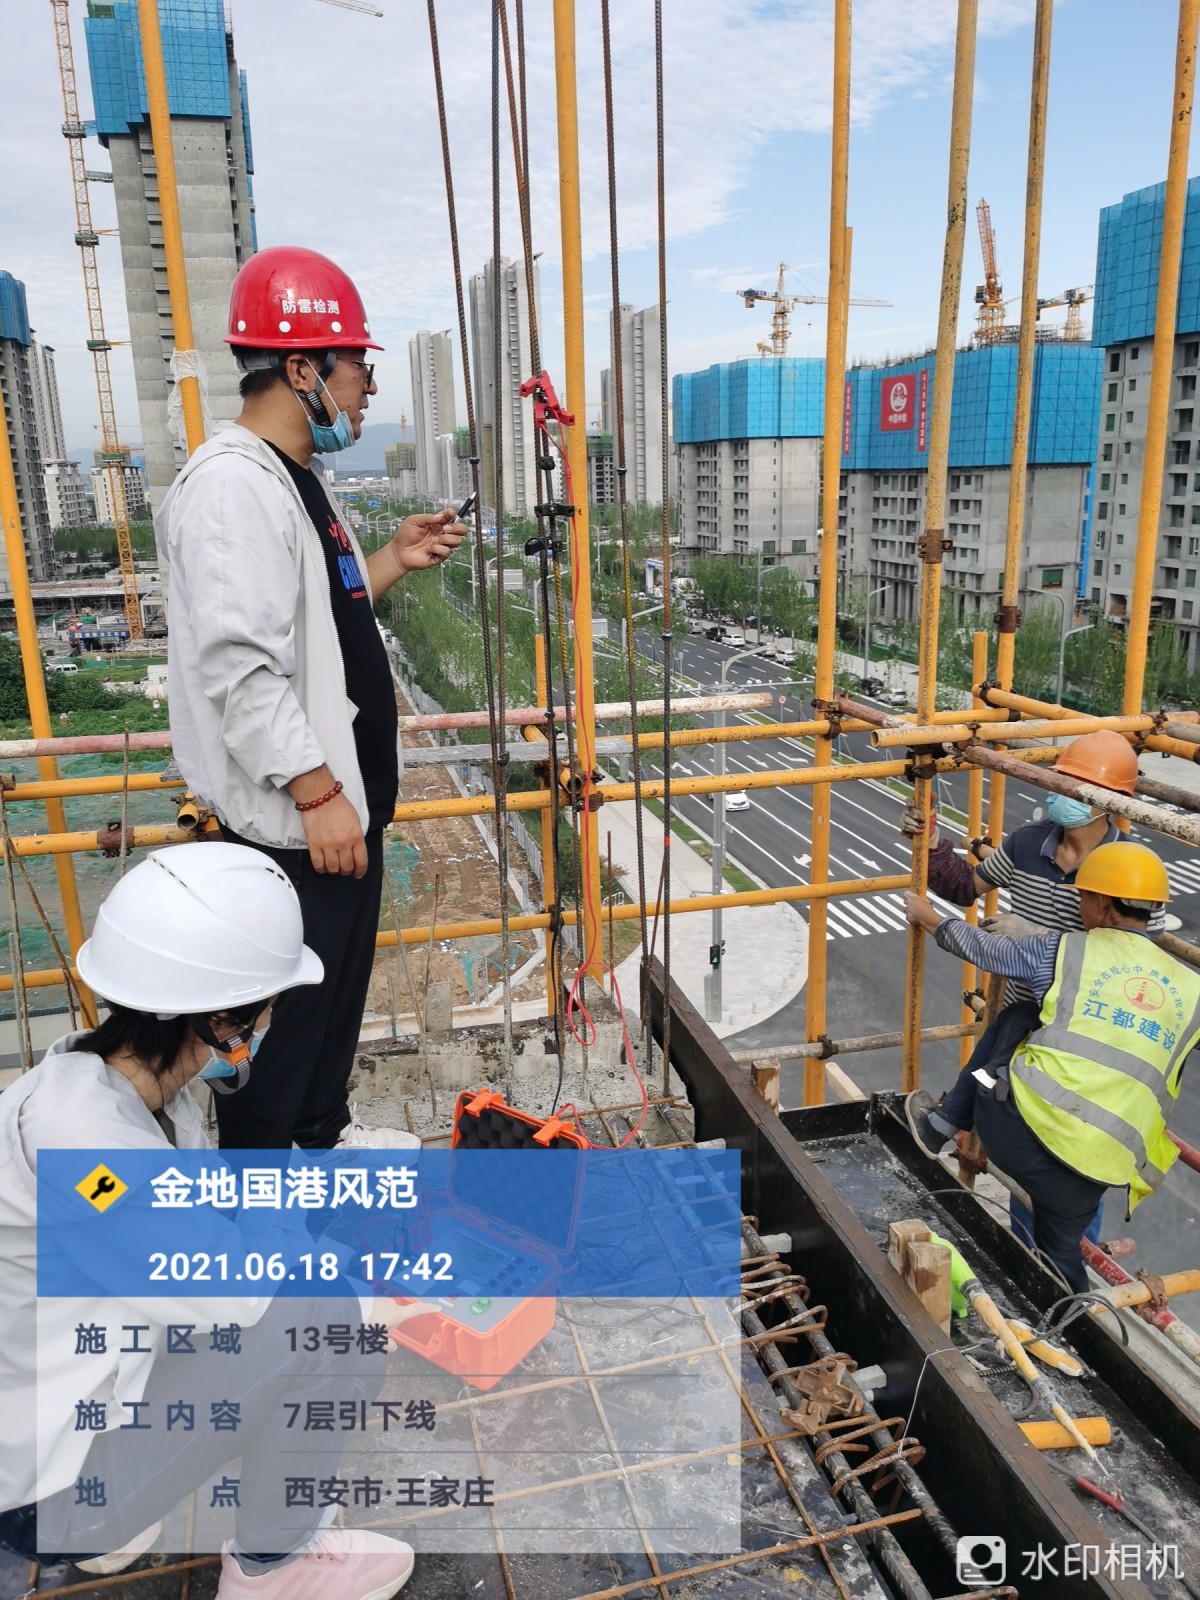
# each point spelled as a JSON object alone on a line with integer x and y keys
{"x": 1162, "y": 357}
{"x": 970, "y": 977}
{"x": 35, "y": 692}
{"x": 835, "y": 366}
{"x": 1009, "y": 616}
{"x": 931, "y": 543}
{"x": 576, "y": 403}
{"x": 168, "y": 202}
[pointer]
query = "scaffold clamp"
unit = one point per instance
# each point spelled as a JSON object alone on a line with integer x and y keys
{"x": 933, "y": 545}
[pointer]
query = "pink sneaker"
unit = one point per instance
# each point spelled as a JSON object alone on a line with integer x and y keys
{"x": 342, "y": 1564}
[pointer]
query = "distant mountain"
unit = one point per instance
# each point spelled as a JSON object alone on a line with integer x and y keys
{"x": 367, "y": 454}
{"x": 365, "y": 457}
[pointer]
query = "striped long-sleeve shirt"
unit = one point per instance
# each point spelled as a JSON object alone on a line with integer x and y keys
{"x": 1031, "y": 961}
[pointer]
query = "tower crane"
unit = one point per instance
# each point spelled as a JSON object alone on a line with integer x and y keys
{"x": 1074, "y": 300}
{"x": 989, "y": 295}
{"x": 783, "y": 303}
{"x": 354, "y": 5}
{"x": 114, "y": 456}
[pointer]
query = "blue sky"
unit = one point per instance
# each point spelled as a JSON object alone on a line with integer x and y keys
{"x": 346, "y": 148}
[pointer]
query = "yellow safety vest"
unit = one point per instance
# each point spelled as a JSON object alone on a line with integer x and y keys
{"x": 1095, "y": 1080}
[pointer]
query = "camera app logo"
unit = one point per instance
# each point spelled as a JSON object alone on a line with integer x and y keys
{"x": 981, "y": 1560}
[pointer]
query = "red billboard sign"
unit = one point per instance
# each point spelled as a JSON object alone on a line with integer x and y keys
{"x": 923, "y": 410}
{"x": 847, "y": 404}
{"x": 897, "y": 403}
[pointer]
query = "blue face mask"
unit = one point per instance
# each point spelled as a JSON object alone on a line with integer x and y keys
{"x": 219, "y": 1066}
{"x": 1067, "y": 813}
{"x": 325, "y": 438}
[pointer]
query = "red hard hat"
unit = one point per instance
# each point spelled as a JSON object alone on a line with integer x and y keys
{"x": 286, "y": 298}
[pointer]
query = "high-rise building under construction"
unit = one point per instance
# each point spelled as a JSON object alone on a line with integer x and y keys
{"x": 641, "y": 401}
{"x": 66, "y": 497}
{"x": 431, "y": 361}
{"x": 500, "y": 391}
{"x": 19, "y": 399}
{"x": 213, "y": 158}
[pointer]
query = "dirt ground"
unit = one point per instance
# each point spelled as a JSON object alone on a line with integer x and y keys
{"x": 447, "y": 860}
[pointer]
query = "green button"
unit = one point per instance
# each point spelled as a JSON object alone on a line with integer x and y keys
{"x": 478, "y": 1307}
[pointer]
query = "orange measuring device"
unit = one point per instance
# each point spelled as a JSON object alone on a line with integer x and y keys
{"x": 481, "y": 1337}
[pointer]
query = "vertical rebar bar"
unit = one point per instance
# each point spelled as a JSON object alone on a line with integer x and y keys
{"x": 835, "y": 361}
{"x": 665, "y": 439}
{"x": 20, "y": 993}
{"x": 931, "y": 543}
{"x": 1162, "y": 357}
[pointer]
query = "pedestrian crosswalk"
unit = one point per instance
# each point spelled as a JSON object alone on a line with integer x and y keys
{"x": 859, "y": 915}
{"x": 856, "y": 916}
{"x": 1184, "y": 876}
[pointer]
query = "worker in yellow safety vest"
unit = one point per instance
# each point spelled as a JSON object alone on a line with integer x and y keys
{"x": 1075, "y": 1090}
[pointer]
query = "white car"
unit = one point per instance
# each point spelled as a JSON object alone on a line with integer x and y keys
{"x": 737, "y": 801}
{"x": 735, "y": 637}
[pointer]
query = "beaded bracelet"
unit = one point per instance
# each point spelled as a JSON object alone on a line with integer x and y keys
{"x": 321, "y": 800}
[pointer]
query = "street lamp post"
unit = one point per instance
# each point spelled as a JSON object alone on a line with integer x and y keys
{"x": 1064, "y": 633}
{"x": 882, "y": 589}
{"x": 712, "y": 983}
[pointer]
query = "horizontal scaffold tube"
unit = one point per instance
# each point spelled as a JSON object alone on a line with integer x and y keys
{"x": 609, "y": 913}
{"x": 152, "y": 782}
{"x": 1044, "y": 708}
{"x": 1118, "y": 805}
{"x": 824, "y": 1048}
{"x": 1006, "y": 732}
{"x": 92, "y": 744}
{"x": 149, "y": 837}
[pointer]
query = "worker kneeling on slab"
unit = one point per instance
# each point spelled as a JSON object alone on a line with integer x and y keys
{"x": 1073, "y": 1095}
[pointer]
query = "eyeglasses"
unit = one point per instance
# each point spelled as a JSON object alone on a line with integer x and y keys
{"x": 367, "y": 368}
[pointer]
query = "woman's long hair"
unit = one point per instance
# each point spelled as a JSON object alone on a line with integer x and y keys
{"x": 156, "y": 1043}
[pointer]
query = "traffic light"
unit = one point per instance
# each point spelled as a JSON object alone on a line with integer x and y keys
{"x": 715, "y": 951}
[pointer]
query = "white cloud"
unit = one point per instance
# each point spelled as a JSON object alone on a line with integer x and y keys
{"x": 348, "y": 157}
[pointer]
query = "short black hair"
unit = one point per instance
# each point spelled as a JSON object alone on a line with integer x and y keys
{"x": 144, "y": 1035}
{"x": 261, "y": 369}
{"x": 258, "y": 381}
{"x": 1134, "y": 913}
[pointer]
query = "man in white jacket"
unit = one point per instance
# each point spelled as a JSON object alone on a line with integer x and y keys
{"x": 283, "y": 710}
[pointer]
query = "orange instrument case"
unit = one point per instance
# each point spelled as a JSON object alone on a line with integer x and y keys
{"x": 481, "y": 1338}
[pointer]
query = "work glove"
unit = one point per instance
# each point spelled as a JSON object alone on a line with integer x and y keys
{"x": 1013, "y": 926}
{"x": 913, "y": 824}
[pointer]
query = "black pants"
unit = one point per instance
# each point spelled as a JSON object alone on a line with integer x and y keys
{"x": 296, "y": 1092}
{"x": 146, "y": 1474}
{"x": 1066, "y": 1205}
{"x": 1064, "y": 1201}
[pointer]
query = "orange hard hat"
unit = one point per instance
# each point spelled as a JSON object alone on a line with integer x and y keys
{"x": 286, "y": 298}
{"x": 1103, "y": 758}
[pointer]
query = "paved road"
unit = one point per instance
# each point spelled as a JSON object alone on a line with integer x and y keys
{"x": 866, "y": 970}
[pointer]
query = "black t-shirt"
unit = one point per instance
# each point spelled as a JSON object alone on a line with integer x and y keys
{"x": 368, "y": 675}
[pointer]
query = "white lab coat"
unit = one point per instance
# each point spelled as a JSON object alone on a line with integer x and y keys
{"x": 73, "y": 1100}
{"x": 255, "y": 680}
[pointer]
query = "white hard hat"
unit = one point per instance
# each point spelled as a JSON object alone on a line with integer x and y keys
{"x": 198, "y": 928}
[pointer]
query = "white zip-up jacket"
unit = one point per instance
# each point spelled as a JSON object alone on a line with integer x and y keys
{"x": 255, "y": 680}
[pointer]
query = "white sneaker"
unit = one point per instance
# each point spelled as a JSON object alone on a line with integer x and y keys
{"x": 118, "y": 1560}
{"x": 342, "y": 1564}
{"x": 357, "y": 1135}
